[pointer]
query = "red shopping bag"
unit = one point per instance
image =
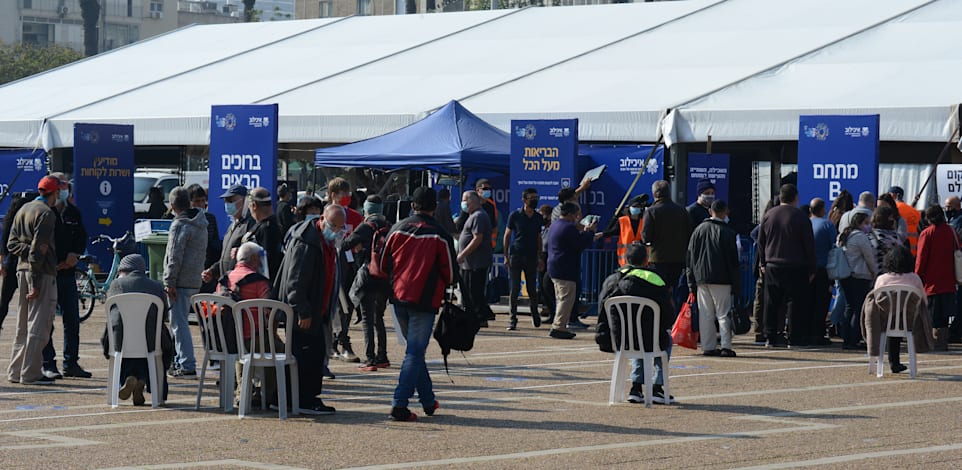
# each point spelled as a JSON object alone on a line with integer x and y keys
{"x": 682, "y": 333}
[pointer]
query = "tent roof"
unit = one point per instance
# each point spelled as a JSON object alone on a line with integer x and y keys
{"x": 449, "y": 138}
{"x": 617, "y": 68}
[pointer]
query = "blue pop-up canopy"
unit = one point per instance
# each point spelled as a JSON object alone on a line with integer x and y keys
{"x": 451, "y": 138}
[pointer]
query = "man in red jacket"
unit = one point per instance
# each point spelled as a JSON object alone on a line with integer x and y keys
{"x": 935, "y": 265}
{"x": 419, "y": 255}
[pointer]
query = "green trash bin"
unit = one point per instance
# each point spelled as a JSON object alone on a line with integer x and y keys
{"x": 156, "y": 244}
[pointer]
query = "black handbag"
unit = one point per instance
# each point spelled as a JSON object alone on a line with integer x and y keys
{"x": 741, "y": 323}
{"x": 455, "y": 330}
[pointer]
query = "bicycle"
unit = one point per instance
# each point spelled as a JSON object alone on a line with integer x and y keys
{"x": 92, "y": 286}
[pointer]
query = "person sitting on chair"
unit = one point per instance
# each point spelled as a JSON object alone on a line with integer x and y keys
{"x": 636, "y": 280}
{"x": 131, "y": 279}
{"x": 899, "y": 267}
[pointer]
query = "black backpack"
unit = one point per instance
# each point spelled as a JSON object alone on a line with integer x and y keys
{"x": 455, "y": 330}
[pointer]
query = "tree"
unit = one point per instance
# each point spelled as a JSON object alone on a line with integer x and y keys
{"x": 90, "y": 12}
{"x": 22, "y": 60}
{"x": 249, "y": 11}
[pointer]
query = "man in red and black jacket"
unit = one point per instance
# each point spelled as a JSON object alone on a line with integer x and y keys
{"x": 419, "y": 256}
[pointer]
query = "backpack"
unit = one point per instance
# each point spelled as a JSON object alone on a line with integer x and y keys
{"x": 837, "y": 266}
{"x": 455, "y": 330}
{"x": 378, "y": 240}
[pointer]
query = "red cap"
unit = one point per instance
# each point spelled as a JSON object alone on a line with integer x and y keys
{"x": 49, "y": 184}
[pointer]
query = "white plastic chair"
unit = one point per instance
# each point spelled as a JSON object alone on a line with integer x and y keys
{"x": 634, "y": 344}
{"x": 261, "y": 339}
{"x": 133, "y": 310}
{"x": 215, "y": 341}
{"x": 896, "y": 325}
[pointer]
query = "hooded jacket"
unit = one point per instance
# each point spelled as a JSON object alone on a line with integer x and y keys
{"x": 186, "y": 250}
{"x": 306, "y": 277}
{"x": 713, "y": 256}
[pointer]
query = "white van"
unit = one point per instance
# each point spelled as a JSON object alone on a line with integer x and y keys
{"x": 166, "y": 180}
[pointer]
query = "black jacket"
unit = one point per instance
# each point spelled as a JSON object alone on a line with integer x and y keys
{"x": 639, "y": 282}
{"x": 213, "y": 240}
{"x": 697, "y": 214}
{"x": 666, "y": 229}
{"x": 232, "y": 239}
{"x": 306, "y": 277}
{"x": 713, "y": 256}
{"x": 69, "y": 234}
{"x": 267, "y": 233}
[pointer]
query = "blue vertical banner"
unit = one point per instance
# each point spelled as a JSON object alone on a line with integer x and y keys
{"x": 103, "y": 190}
{"x": 20, "y": 170}
{"x": 543, "y": 157}
{"x": 836, "y": 153}
{"x": 243, "y": 150}
{"x": 711, "y": 166}
{"x": 623, "y": 162}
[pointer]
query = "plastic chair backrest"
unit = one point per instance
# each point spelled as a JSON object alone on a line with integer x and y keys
{"x": 269, "y": 312}
{"x": 209, "y": 308}
{"x": 899, "y": 298}
{"x": 133, "y": 310}
{"x": 630, "y": 313}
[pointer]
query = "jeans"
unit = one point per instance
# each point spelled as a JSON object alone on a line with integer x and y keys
{"x": 67, "y": 300}
{"x": 416, "y": 326}
{"x": 638, "y": 368}
{"x": 372, "y": 311}
{"x": 855, "y": 292}
{"x": 183, "y": 344}
{"x": 528, "y": 265}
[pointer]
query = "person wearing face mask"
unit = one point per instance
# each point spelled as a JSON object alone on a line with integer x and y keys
{"x": 71, "y": 242}
{"x": 32, "y": 240}
{"x": 241, "y": 222}
{"x": 339, "y": 192}
{"x": 486, "y": 192}
{"x": 698, "y": 210}
{"x": 266, "y": 230}
{"x": 307, "y": 281}
{"x": 935, "y": 266}
{"x": 854, "y": 240}
{"x": 198, "y": 200}
{"x": 628, "y": 228}
{"x": 522, "y": 254}
{"x": 474, "y": 257}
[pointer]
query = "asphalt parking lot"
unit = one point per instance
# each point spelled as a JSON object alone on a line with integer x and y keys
{"x": 518, "y": 400}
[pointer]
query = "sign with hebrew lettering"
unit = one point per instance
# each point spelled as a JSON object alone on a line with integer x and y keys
{"x": 103, "y": 170}
{"x": 836, "y": 153}
{"x": 20, "y": 170}
{"x": 543, "y": 157}
{"x": 623, "y": 164}
{"x": 948, "y": 179}
{"x": 243, "y": 150}
{"x": 711, "y": 166}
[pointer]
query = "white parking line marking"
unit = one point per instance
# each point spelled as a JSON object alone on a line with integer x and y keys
{"x": 211, "y": 463}
{"x": 855, "y": 457}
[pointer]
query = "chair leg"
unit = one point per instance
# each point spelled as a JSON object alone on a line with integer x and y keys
{"x": 664, "y": 374}
{"x": 649, "y": 382}
{"x": 200, "y": 380}
{"x": 295, "y": 391}
{"x": 245, "y": 399}
{"x": 228, "y": 369}
{"x": 883, "y": 343}
{"x": 613, "y": 393}
{"x": 912, "y": 364}
{"x": 114, "y": 387}
{"x": 156, "y": 389}
{"x": 281, "y": 390}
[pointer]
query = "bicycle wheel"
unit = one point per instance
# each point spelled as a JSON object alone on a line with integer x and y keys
{"x": 86, "y": 294}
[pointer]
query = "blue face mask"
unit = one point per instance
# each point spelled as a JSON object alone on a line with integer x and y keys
{"x": 329, "y": 234}
{"x": 310, "y": 217}
{"x": 64, "y": 194}
{"x": 634, "y": 210}
{"x": 486, "y": 194}
{"x": 464, "y": 206}
{"x": 230, "y": 208}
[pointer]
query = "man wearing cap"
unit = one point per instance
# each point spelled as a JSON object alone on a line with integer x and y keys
{"x": 285, "y": 212}
{"x": 32, "y": 241}
{"x": 419, "y": 258}
{"x": 698, "y": 210}
{"x": 132, "y": 279}
{"x": 910, "y": 214}
{"x": 628, "y": 228}
{"x": 241, "y": 222}
{"x": 71, "y": 241}
{"x": 266, "y": 230}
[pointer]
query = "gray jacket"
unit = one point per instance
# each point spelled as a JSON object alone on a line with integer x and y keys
{"x": 133, "y": 283}
{"x": 861, "y": 255}
{"x": 186, "y": 250}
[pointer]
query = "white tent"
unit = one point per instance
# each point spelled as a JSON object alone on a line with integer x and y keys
{"x": 617, "y": 68}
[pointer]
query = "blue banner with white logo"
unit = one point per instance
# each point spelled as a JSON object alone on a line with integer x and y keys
{"x": 623, "y": 164}
{"x": 103, "y": 162}
{"x": 20, "y": 170}
{"x": 543, "y": 157}
{"x": 836, "y": 153}
{"x": 243, "y": 150}
{"x": 711, "y": 166}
